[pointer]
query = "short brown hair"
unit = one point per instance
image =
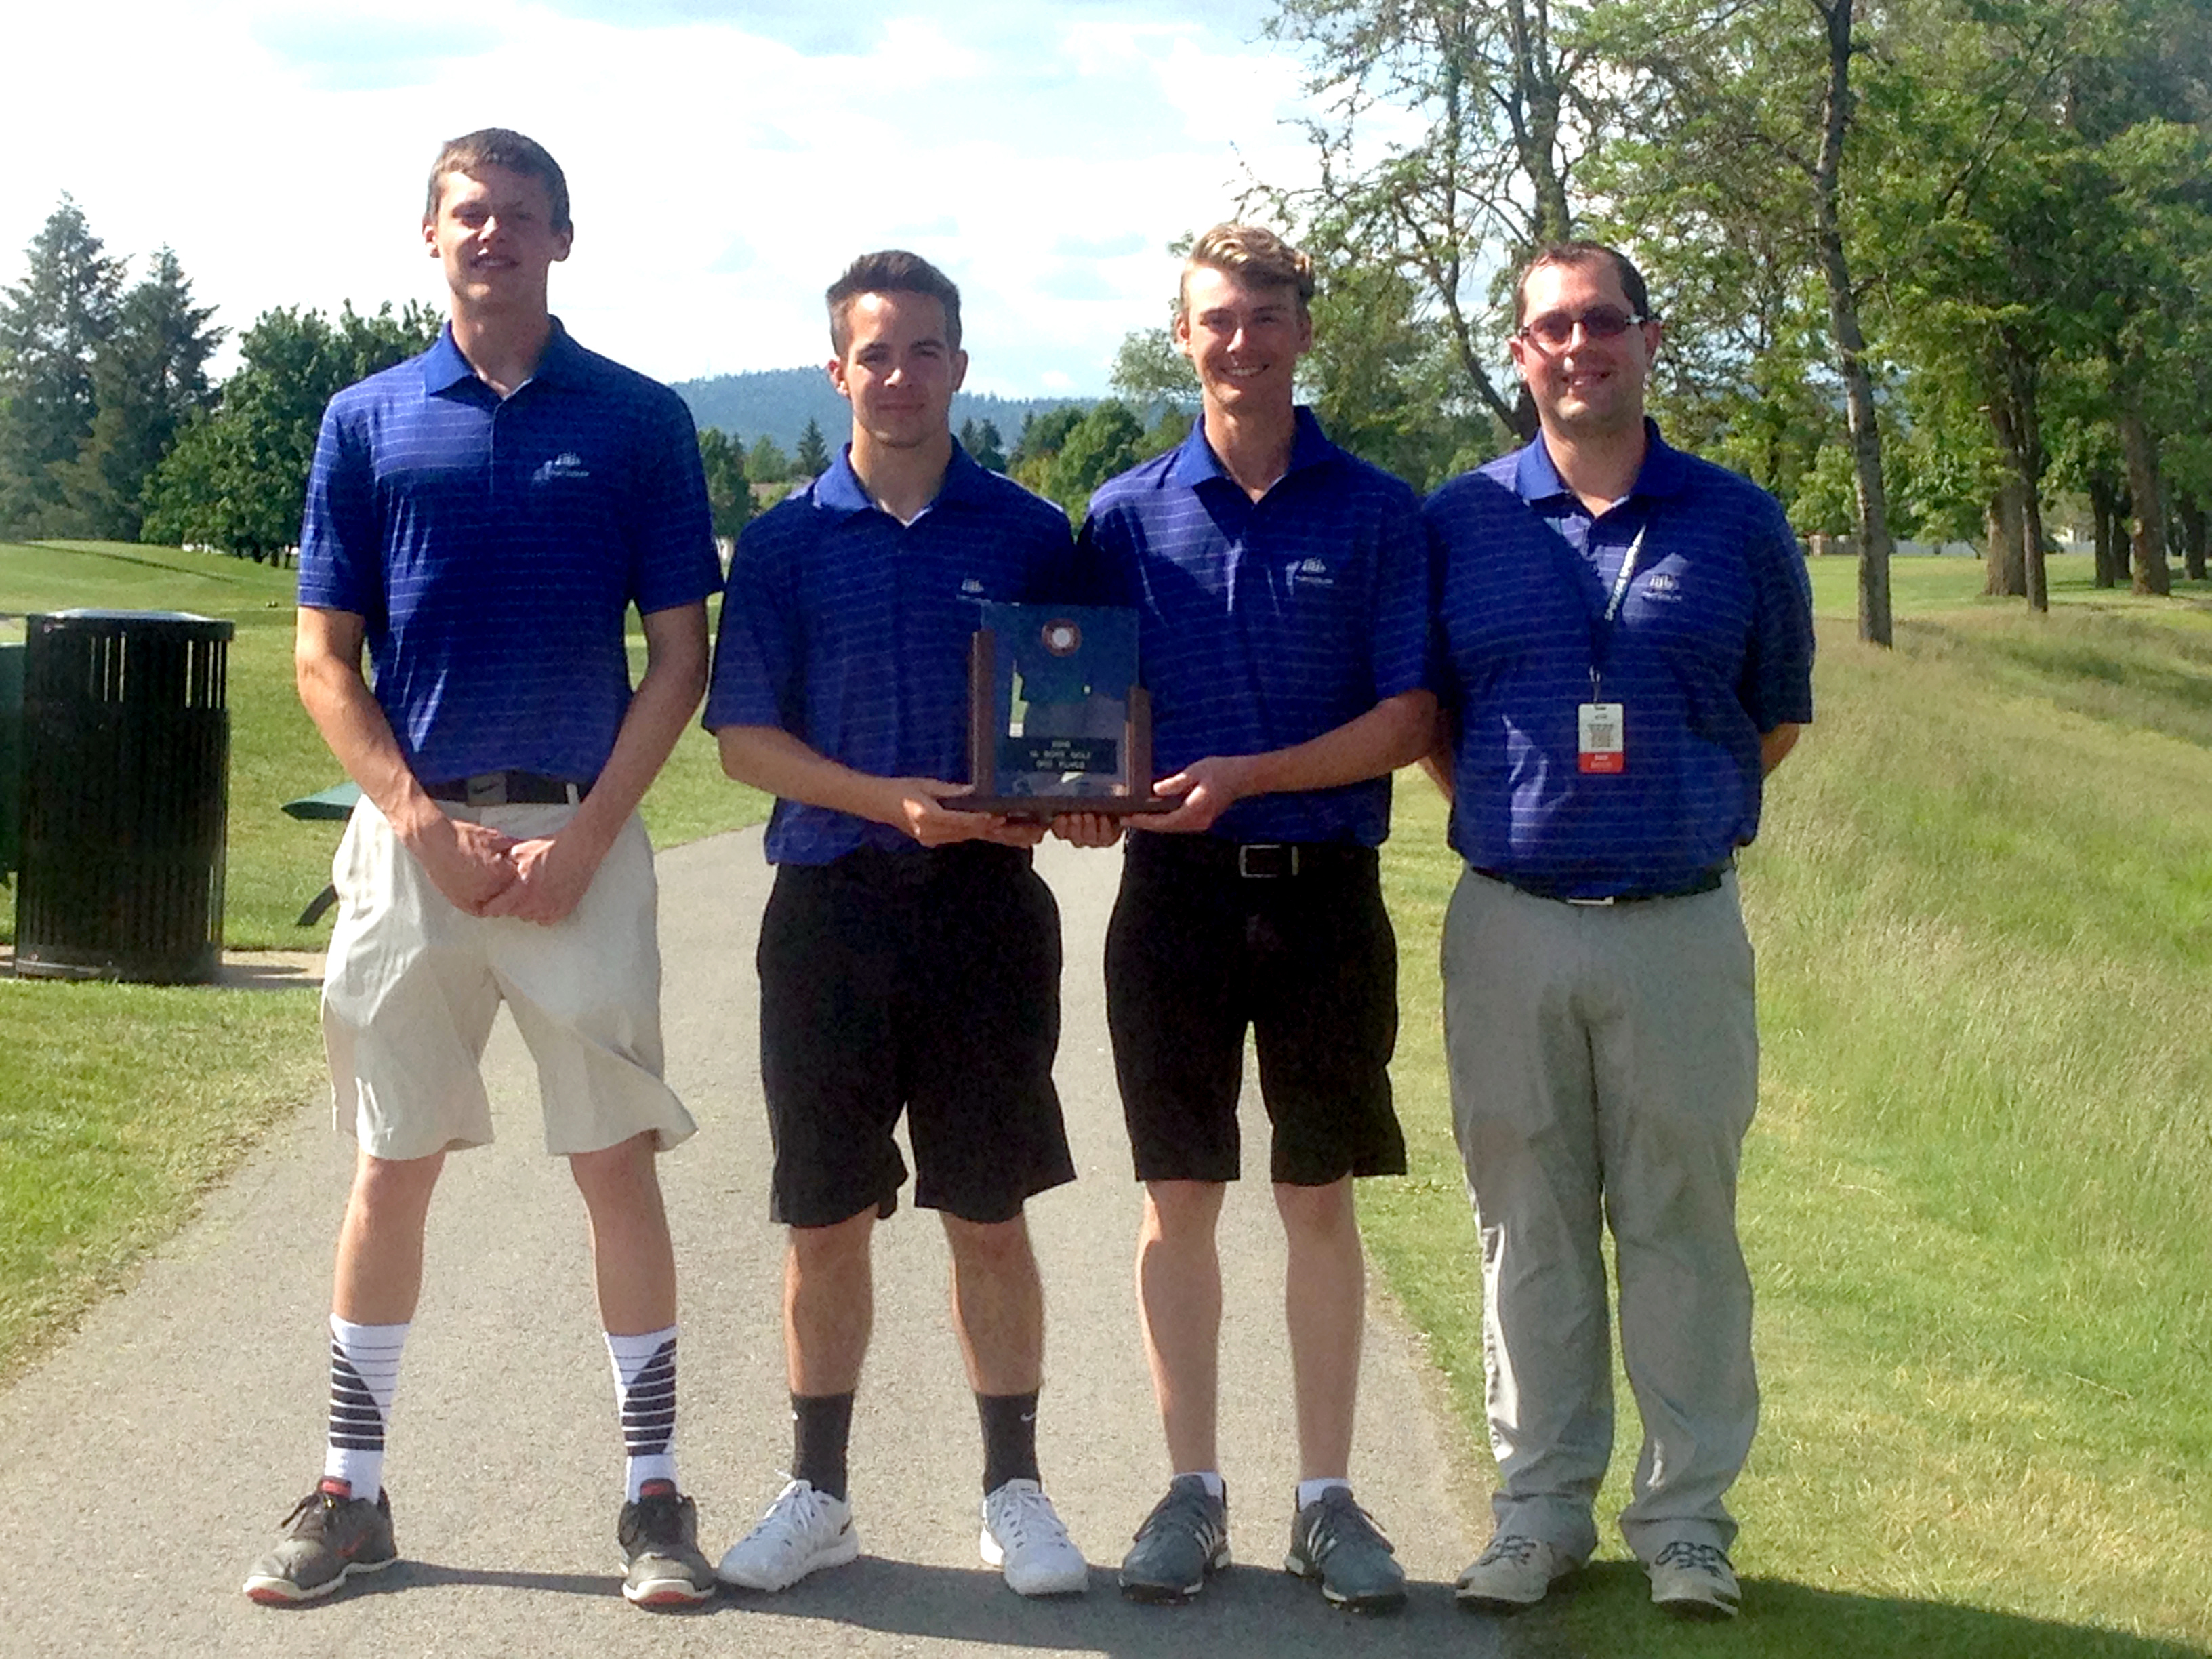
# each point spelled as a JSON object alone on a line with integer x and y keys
{"x": 1253, "y": 254}
{"x": 500, "y": 147}
{"x": 1578, "y": 255}
{"x": 893, "y": 270}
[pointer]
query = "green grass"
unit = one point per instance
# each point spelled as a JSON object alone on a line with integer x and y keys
{"x": 1978, "y": 1197}
{"x": 120, "y": 1104}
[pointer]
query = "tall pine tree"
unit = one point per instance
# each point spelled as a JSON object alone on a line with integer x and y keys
{"x": 148, "y": 379}
{"x": 52, "y": 327}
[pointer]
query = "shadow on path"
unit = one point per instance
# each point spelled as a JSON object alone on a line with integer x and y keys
{"x": 1609, "y": 1615}
{"x": 1250, "y": 1610}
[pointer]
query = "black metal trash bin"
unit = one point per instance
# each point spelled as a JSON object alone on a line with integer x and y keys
{"x": 126, "y": 789}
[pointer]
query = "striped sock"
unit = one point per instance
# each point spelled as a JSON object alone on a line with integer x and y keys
{"x": 645, "y": 1391}
{"x": 364, "y": 1377}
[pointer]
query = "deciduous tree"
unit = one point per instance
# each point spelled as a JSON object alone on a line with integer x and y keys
{"x": 237, "y": 480}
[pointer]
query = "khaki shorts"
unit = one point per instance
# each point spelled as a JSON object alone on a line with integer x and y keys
{"x": 412, "y": 984}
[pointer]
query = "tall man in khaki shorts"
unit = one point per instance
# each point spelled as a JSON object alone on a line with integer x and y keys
{"x": 482, "y": 518}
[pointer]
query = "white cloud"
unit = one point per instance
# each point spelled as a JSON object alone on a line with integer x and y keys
{"x": 724, "y": 159}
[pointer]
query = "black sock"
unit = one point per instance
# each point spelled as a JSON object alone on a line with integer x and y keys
{"x": 1009, "y": 1437}
{"x": 821, "y": 1425}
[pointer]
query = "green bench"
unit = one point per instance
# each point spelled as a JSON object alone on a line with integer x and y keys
{"x": 335, "y": 802}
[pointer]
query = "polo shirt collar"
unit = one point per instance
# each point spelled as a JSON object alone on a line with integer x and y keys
{"x": 444, "y": 367}
{"x": 840, "y": 491}
{"x": 1535, "y": 479}
{"x": 1195, "y": 461}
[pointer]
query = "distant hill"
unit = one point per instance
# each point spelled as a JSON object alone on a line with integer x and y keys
{"x": 779, "y": 402}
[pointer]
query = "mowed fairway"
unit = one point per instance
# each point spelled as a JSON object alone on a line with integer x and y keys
{"x": 119, "y": 1104}
{"x": 1977, "y": 1201}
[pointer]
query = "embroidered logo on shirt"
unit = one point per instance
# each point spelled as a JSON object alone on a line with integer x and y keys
{"x": 1662, "y": 585}
{"x": 1311, "y": 573}
{"x": 566, "y": 465}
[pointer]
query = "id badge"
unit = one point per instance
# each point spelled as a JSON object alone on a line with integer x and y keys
{"x": 1598, "y": 740}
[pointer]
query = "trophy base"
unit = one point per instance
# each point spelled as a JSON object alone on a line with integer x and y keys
{"x": 1043, "y": 809}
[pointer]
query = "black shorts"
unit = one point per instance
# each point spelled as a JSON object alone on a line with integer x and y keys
{"x": 926, "y": 982}
{"x": 1207, "y": 939}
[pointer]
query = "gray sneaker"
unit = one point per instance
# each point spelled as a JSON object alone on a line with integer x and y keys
{"x": 659, "y": 1532}
{"x": 1185, "y": 1538}
{"x": 329, "y": 1536}
{"x": 1514, "y": 1571}
{"x": 1693, "y": 1581}
{"x": 1333, "y": 1539}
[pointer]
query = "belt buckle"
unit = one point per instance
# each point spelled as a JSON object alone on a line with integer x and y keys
{"x": 1283, "y": 855}
{"x": 487, "y": 789}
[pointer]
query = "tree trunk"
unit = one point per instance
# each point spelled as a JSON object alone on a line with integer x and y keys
{"x": 2105, "y": 511}
{"x": 1533, "y": 112}
{"x": 2191, "y": 513}
{"x": 2022, "y": 376}
{"x": 2036, "y": 577}
{"x": 2007, "y": 555}
{"x": 2010, "y": 420}
{"x": 1850, "y": 342}
{"x": 2146, "y": 512}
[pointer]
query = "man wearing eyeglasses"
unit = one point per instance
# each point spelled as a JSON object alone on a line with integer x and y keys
{"x": 1628, "y": 639}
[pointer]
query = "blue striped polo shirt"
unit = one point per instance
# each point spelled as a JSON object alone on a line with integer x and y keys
{"x": 493, "y": 547}
{"x": 850, "y": 631}
{"x": 1713, "y": 644}
{"x": 1265, "y": 623}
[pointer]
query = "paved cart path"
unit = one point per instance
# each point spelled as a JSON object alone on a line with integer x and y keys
{"x": 148, "y": 1459}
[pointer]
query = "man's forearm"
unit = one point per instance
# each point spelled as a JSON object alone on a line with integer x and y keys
{"x": 772, "y": 759}
{"x": 1774, "y": 746}
{"x": 1395, "y": 733}
{"x": 666, "y": 697}
{"x": 326, "y": 666}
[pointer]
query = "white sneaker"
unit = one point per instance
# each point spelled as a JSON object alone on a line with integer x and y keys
{"x": 803, "y": 1529}
{"x": 1514, "y": 1572}
{"x": 1023, "y": 1535}
{"x": 1693, "y": 1580}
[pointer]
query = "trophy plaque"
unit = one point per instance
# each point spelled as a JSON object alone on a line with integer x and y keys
{"x": 1056, "y": 720}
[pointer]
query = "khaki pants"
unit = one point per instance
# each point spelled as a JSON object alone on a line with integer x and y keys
{"x": 411, "y": 986}
{"x": 1604, "y": 1069}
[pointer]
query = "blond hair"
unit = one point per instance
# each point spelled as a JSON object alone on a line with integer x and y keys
{"x": 1252, "y": 254}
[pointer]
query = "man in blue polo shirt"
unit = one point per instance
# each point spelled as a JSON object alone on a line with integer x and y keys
{"x": 1282, "y": 588}
{"x": 1629, "y": 641}
{"x": 482, "y": 518}
{"x": 909, "y": 957}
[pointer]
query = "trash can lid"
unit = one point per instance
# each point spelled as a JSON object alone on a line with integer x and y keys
{"x": 97, "y": 613}
{"x": 183, "y": 622}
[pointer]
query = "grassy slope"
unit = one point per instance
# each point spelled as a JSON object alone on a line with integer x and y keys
{"x": 119, "y": 1104}
{"x": 1977, "y": 1198}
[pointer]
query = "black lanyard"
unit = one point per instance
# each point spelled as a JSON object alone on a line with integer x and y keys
{"x": 1573, "y": 568}
{"x": 1602, "y": 630}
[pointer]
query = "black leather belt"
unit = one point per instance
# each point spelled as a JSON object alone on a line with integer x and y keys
{"x": 1250, "y": 860}
{"x": 1703, "y": 882}
{"x": 509, "y": 789}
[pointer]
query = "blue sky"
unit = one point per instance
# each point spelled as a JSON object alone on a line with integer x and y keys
{"x": 726, "y": 157}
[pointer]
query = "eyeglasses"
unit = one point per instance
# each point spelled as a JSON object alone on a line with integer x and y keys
{"x": 1555, "y": 328}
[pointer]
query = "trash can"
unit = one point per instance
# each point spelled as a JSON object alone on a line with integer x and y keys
{"x": 125, "y": 786}
{"x": 11, "y": 754}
